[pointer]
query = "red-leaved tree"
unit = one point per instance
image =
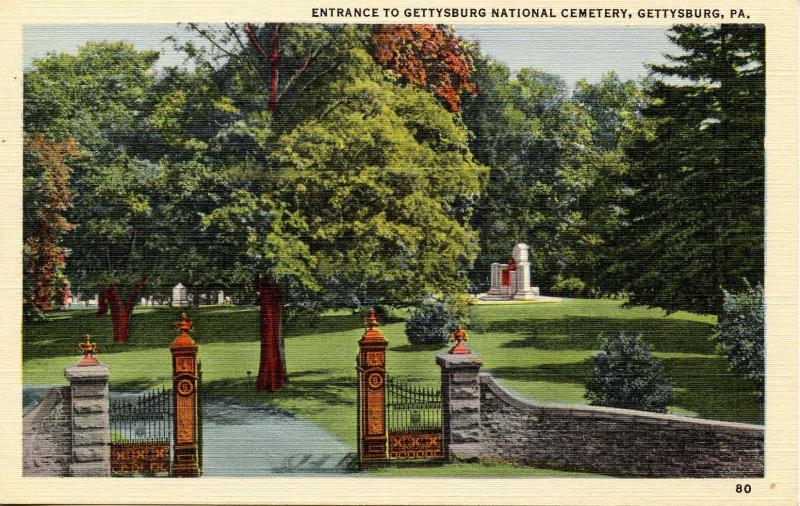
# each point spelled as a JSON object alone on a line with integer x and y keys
{"x": 428, "y": 56}
{"x": 47, "y": 199}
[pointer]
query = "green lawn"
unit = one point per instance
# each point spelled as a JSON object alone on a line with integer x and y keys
{"x": 541, "y": 351}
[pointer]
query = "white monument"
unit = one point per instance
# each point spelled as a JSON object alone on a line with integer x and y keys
{"x": 179, "y": 298}
{"x": 220, "y": 297}
{"x": 512, "y": 281}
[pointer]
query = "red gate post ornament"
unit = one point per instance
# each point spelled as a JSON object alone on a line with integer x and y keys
{"x": 184, "y": 398}
{"x": 372, "y": 393}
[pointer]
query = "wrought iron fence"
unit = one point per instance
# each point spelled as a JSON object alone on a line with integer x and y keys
{"x": 414, "y": 421}
{"x": 146, "y": 418}
{"x": 412, "y": 408}
{"x": 141, "y": 430}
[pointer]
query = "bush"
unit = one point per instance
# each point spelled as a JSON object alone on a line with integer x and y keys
{"x": 569, "y": 287}
{"x": 627, "y": 375}
{"x": 430, "y": 323}
{"x": 740, "y": 332}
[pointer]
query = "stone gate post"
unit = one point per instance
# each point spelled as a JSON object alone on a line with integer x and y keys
{"x": 91, "y": 455}
{"x": 372, "y": 394}
{"x": 184, "y": 398}
{"x": 461, "y": 400}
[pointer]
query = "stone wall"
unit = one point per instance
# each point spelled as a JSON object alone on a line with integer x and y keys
{"x": 47, "y": 435}
{"x": 67, "y": 433}
{"x": 614, "y": 441}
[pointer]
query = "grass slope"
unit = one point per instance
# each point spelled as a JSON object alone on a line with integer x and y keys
{"x": 540, "y": 351}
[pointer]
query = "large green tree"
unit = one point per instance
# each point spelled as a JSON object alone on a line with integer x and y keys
{"x": 519, "y": 127}
{"x": 346, "y": 186}
{"x": 695, "y": 222}
{"x": 557, "y": 162}
{"x": 616, "y": 122}
{"x": 134, "y": 222}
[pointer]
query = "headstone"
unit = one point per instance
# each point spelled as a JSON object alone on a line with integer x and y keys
{"x": 179, "y": 298}
{"x": 94, "y": 301}
{"x": 495, "y": 275}
{"x": 143, "y": 302}
{"x": 220, "y": 297}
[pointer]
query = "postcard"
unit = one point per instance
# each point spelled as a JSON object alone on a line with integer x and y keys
{"x": 393, "y": 253}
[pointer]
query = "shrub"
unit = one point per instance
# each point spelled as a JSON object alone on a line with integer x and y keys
{"x": 569, "y": 287}
{"x": 627, "y": 375}
{"x": 430, "y": 323}
{"x": 740, "y": 332}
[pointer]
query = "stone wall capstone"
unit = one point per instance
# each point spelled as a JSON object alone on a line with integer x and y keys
{"x": 47, "y": 435}
{"x": 614, "y": 441}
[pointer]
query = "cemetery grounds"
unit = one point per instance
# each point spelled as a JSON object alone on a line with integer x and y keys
{"x": 539, "y": 350}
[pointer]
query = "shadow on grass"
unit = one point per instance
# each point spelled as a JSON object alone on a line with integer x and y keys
{"x": 327, "y": 390}
{"x": 703, "y": 386}
{"x": 576, "y": 372}
{"x": 406, "y": 348}
{"x": 586, "y": 333}
{"x": 60, "y": 332}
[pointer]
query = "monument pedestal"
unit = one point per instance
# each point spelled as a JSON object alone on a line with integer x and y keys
{"x": 512, "y": 281}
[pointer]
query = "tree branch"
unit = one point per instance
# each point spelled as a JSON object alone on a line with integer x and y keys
{"x": 316, "y": 77}
{"x": 251, "y": 36}
{"x": 206, "y": 36}
{"x": 304, "y": 67}
{"x": 235, "y": 33}
{"x": 135, "y": 293}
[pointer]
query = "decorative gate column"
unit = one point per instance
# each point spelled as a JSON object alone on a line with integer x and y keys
{"x": 461, "y": 400}
{"x": 184, "y": 395}
{"x": 88, "y": 380}
{"x": 372, "y": 394}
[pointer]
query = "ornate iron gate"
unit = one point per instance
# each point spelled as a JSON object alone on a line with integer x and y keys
{"x": 413, "y": 421}
{"x": 141, "y": 431}
{"x": 396, "y": 420}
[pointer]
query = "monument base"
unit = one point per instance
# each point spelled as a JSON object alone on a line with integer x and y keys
{"x": 531, "y": 294}
{"x": 527, "y": 294}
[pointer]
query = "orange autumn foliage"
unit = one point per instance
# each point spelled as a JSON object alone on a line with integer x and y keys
{"x": 428, "y": 56}
{"x": 46, "y": 256}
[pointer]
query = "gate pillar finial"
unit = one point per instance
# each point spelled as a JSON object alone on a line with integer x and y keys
{"x": 185, "y": 459}
{"x": 372, "y": 436}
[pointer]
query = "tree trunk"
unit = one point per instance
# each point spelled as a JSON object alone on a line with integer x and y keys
{"x": 274, "y": 65}
{"x": 271, "y": 369}
{"x": 109, "y": 302}
{"x": 274, "y": 59}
